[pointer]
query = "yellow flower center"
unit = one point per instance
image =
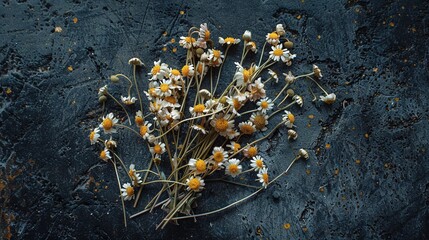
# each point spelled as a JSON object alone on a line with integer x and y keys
{"x": 273, "y": 35}
{"x": 200, "y": 165}
{"x": 189, "y": 39}
{"x": 175, "y": 72}
{"x": 252, "y": 151}
{"x": 218, "y": 157}
{"x": 265, "y": 177}
{"x": 259, "y": 122}
{"x": 171, "y": 99}
{"x": 237, "y": 147}
{"x": 246, "y": 75}
{"x": 229, "y": 40}
{"x": 143, "y": 130}
{"x": 139, "y": 120}
{"x": 236, "y": 103}
{"x": 91, "y": 135}
{"x": 291, "y": 117}
{"x": 199, "y": 108}
{"x": 216, "y": 53}
{"x": 107, "y": 124}
{"x": 156, "y": 69}
{"x": 278, "y": 52}
{"x": 157, "y": 149}
{"x": 131, "y": 173}
{"x": 221, "y": 125}
{"x": 130, "y": 191}
{"x": 207, "y": 35}
{"x": 152, "y": 92}
{"x": 185, "y": 70}
{"x": 194, "y": 184}
{"x": 233, "y": 168}
{"x": 103, "y": 155}
{"x": 264, "y": 104}
{"x": 164, "y": 87}
{"x": 200, "y": 68}
{"x": 259, "y": 163}
{"x": 247, "y": 129}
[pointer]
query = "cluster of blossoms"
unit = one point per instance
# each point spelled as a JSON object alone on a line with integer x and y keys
{"x": 198, "y": 129}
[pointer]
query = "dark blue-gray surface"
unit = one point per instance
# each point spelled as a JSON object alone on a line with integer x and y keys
{"x": 370, "y": 183}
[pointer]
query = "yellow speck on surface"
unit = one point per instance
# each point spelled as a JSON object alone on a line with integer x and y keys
{"x": 328, "y": 146}
{"x": 173, "y": 40}
{"x": 75, "y": 20}
{"x": 396, "y": 99}
{"x": 8, "y": 91}
{"x": 286, "y": 226}
{"x": 174, "y": 50}
{"x": 321, "y": 189}
{"x": 336, "y": 171}
{"x": 70, "y": 68}
{"x": 308, "y": 171}
{"x": 298, "y": 17}
{"x": 304, "y": 229}
{"x": 375, "y": 69}
{"x": 164, "y": 49}
{"x": 319, "y": 37}
{"x": 392, "y": 24}
{"x": 311, "y": 116}
{"x": 413, "y": 29}
{"x": 182, "y": 12}
{"x": 308, "y": 125}
{"x": 58, "y": 29}
{"x": 164, "y": 34}
{"x": 366, "y": 135}
{"x": 357, "y": 161}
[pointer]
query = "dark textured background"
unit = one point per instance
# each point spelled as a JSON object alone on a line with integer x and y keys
{"x": 372, "y": 182}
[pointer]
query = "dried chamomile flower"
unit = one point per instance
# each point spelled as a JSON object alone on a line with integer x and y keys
{"x": 197, "y": 165}
{"x": 215, "y": 57}
{"x": 303, "y": 153}
{"x": 288, "y": 119}
{"x": 263, "y": 177}
{"x": 165, "y": 88}
{"x": 94, "y": 135}
{"x": 328, "y": 99}
{"x": 280, "y": 30}
{"x": 317, "y": 72}
{"x": 219, "y": 155}
{"x": 256, "y": 90}
{"x": 250, "y": 151}
{"x": 229, "y": 40}
{"x": 273, "y": 38}
{"x": 157, "y": 149}
{"x": 187, "y": 42}
{"x": 235, "y": 103}
{"x": 108, "y": 123}
{"x": 110, "y": 144}
{"x": 102, "y": 91}
{"x": 188, "y": 71}
{"x": 204, "y": 36}
{"x": 247, "y": 128}
{"x": 233, "y": 167}
{"x": 234, "y": 146}
{"x": 138, "y": 119}
{"x": 135, "y": 177}
{"x": 175, "y": 74}
{"x": 298, "y": 99}
{"x": 265, "y": 105}
{"x": 145, "y": 130}
{"x": 135, "y": 61}
{"x": 221, "y": 124}
{"x": 128, "y": 100}
{"x": 127, "y": 191}
{"x": 201, "y": 68}
{"x": 114, "y": 79}
{"x": 199, "y": 128}
{"x": 257, "y": 163}
{"x": 205, "y": 94}
{"x": 252, "y": 46}
{"x": 292, "y": 134}
{"x": 159, "y": 71}
{"x": 289, "y": 78}
{"x": 195, "y": 184}
{"x": 105, "y": 155}
{"x": 278, "y": 53}
{"x": 247, "y": 36}
{"x": 198, "y": 110}
{"x": 260, "y": 120}
{"x": 273, "y": 75}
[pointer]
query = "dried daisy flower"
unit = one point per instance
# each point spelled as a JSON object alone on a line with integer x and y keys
{"x": 298, "y": 100}
{"x": 205, "y": 94}
{"x": 235, "y": 103}
{"x": 199, "y": 128}
{"x": 105, "y": 155}
{"x": 128, "y": 100}
{"x": 219, "y": 155}
{"x": 108, "y": 124}
{"x": 257, "y": 163}
{"x": 221, "y": 124}
{"x": 278, "y": 53}
{"x": 265, "y": 105}
{"x": 247, "y": 128}
{"x": 256, "y": 90}
{"x": 263, "y": 177}
{"x": 127, "y": 191}
{"x": 197, "y": 165}
{"x": 252, "y": 46}
{"x": 260, "y": 120}
{"x": 247, "y": 36}
{"x": 198, "y": 110}
{"x": 204, "y": 36}
{"x": 280, "y": 30}
{"x": 159, "y": 71}
{"x": 273, "y": 75}
{"x": 292, "y": 134}
{"x": 138, "y": 119}
{"x": 289, "y": 78}
{"x": 233, "y": 167}
{"x": 157, "y": 149}
{"x": 145, "y": 130}
{"x": 135, "y": 177}
{"x": 110, "y": 144}
{"x": 188, "y": 71}
{"x": 273, "y": 38}
{"x": 234, "y": 146}
{"x": 175, "y": 74}
{"x": 102, "y": 91}
{"x": 215, "y": 57}
{"x": 303, "y": 153}
{"x": 250, "y": 151}
{"x": 329, "y": 98}
{"x": 94, "y": 135}
{"x": 243, "y": 75}
{"x": 187, "y": 42}
{"x": 288, "y": 119}
{"x": 195, "y": 184}
{"x": 229, "y": 40}
{"x": 316, "y": 71}
{"x": 135, "y": 61}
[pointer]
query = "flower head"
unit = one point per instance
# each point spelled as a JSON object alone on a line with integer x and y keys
{"x": 145, "y": 130}
{"x": 233, "y": 167}
{"x": 234, "y": 146}
{"x": 222, "y": 124}
{"x": 265, "y": 105}
{"x": 197, "y": 165}
{"x": 135, "y": 61}
{"x": 317, "y": 72}
{"x": 187, "y": 42}
{"x": 256, "y": 90}
{"x": 138, "y": 119}
{"x": 273, "y": 38}
{"x": 247, "y": 128}
{"x": 137, "y": 180}
{"x": 219, "y": 155}
{"x": 127, "y": 191}
{"x": 263, "y": 177}
{"x": 278, "y": 53}
{"x": 280, "y": 30}
{"x": 94, "y": 135}
{"x": 298, "y": 99}
{"x": 200, "y": 128}
{"x": 289, "y": 78}
{"x": 247, "y": 36}
{"x": 252, "y": 46}
{"x": 198, "y": 110}
{"x": 288, "y": 119}
{"x": 229, "y": 40}
{"x": 102, "y": 91}
{"x": 257, "y": 163}
{"x": 157, "y": 149}
{"x": 250, "y": 151}
{"x": 188, "y": 70}
{"x": 159, "y": 71}
{"x": 273, "y": 75}
{"x": 195, "y": 184}
{"x": 328, "y": 99}
{"x": 105, "y": 154}
{"x": 260, "y": 120}
{"x": 128, "y": 100}
{"x": 108, "y": 123}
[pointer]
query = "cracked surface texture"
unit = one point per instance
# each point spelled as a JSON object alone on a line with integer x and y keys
{"x": 367, "y": 177}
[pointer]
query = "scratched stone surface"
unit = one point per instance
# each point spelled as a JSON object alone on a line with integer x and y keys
{"x": 367, "y": 176}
